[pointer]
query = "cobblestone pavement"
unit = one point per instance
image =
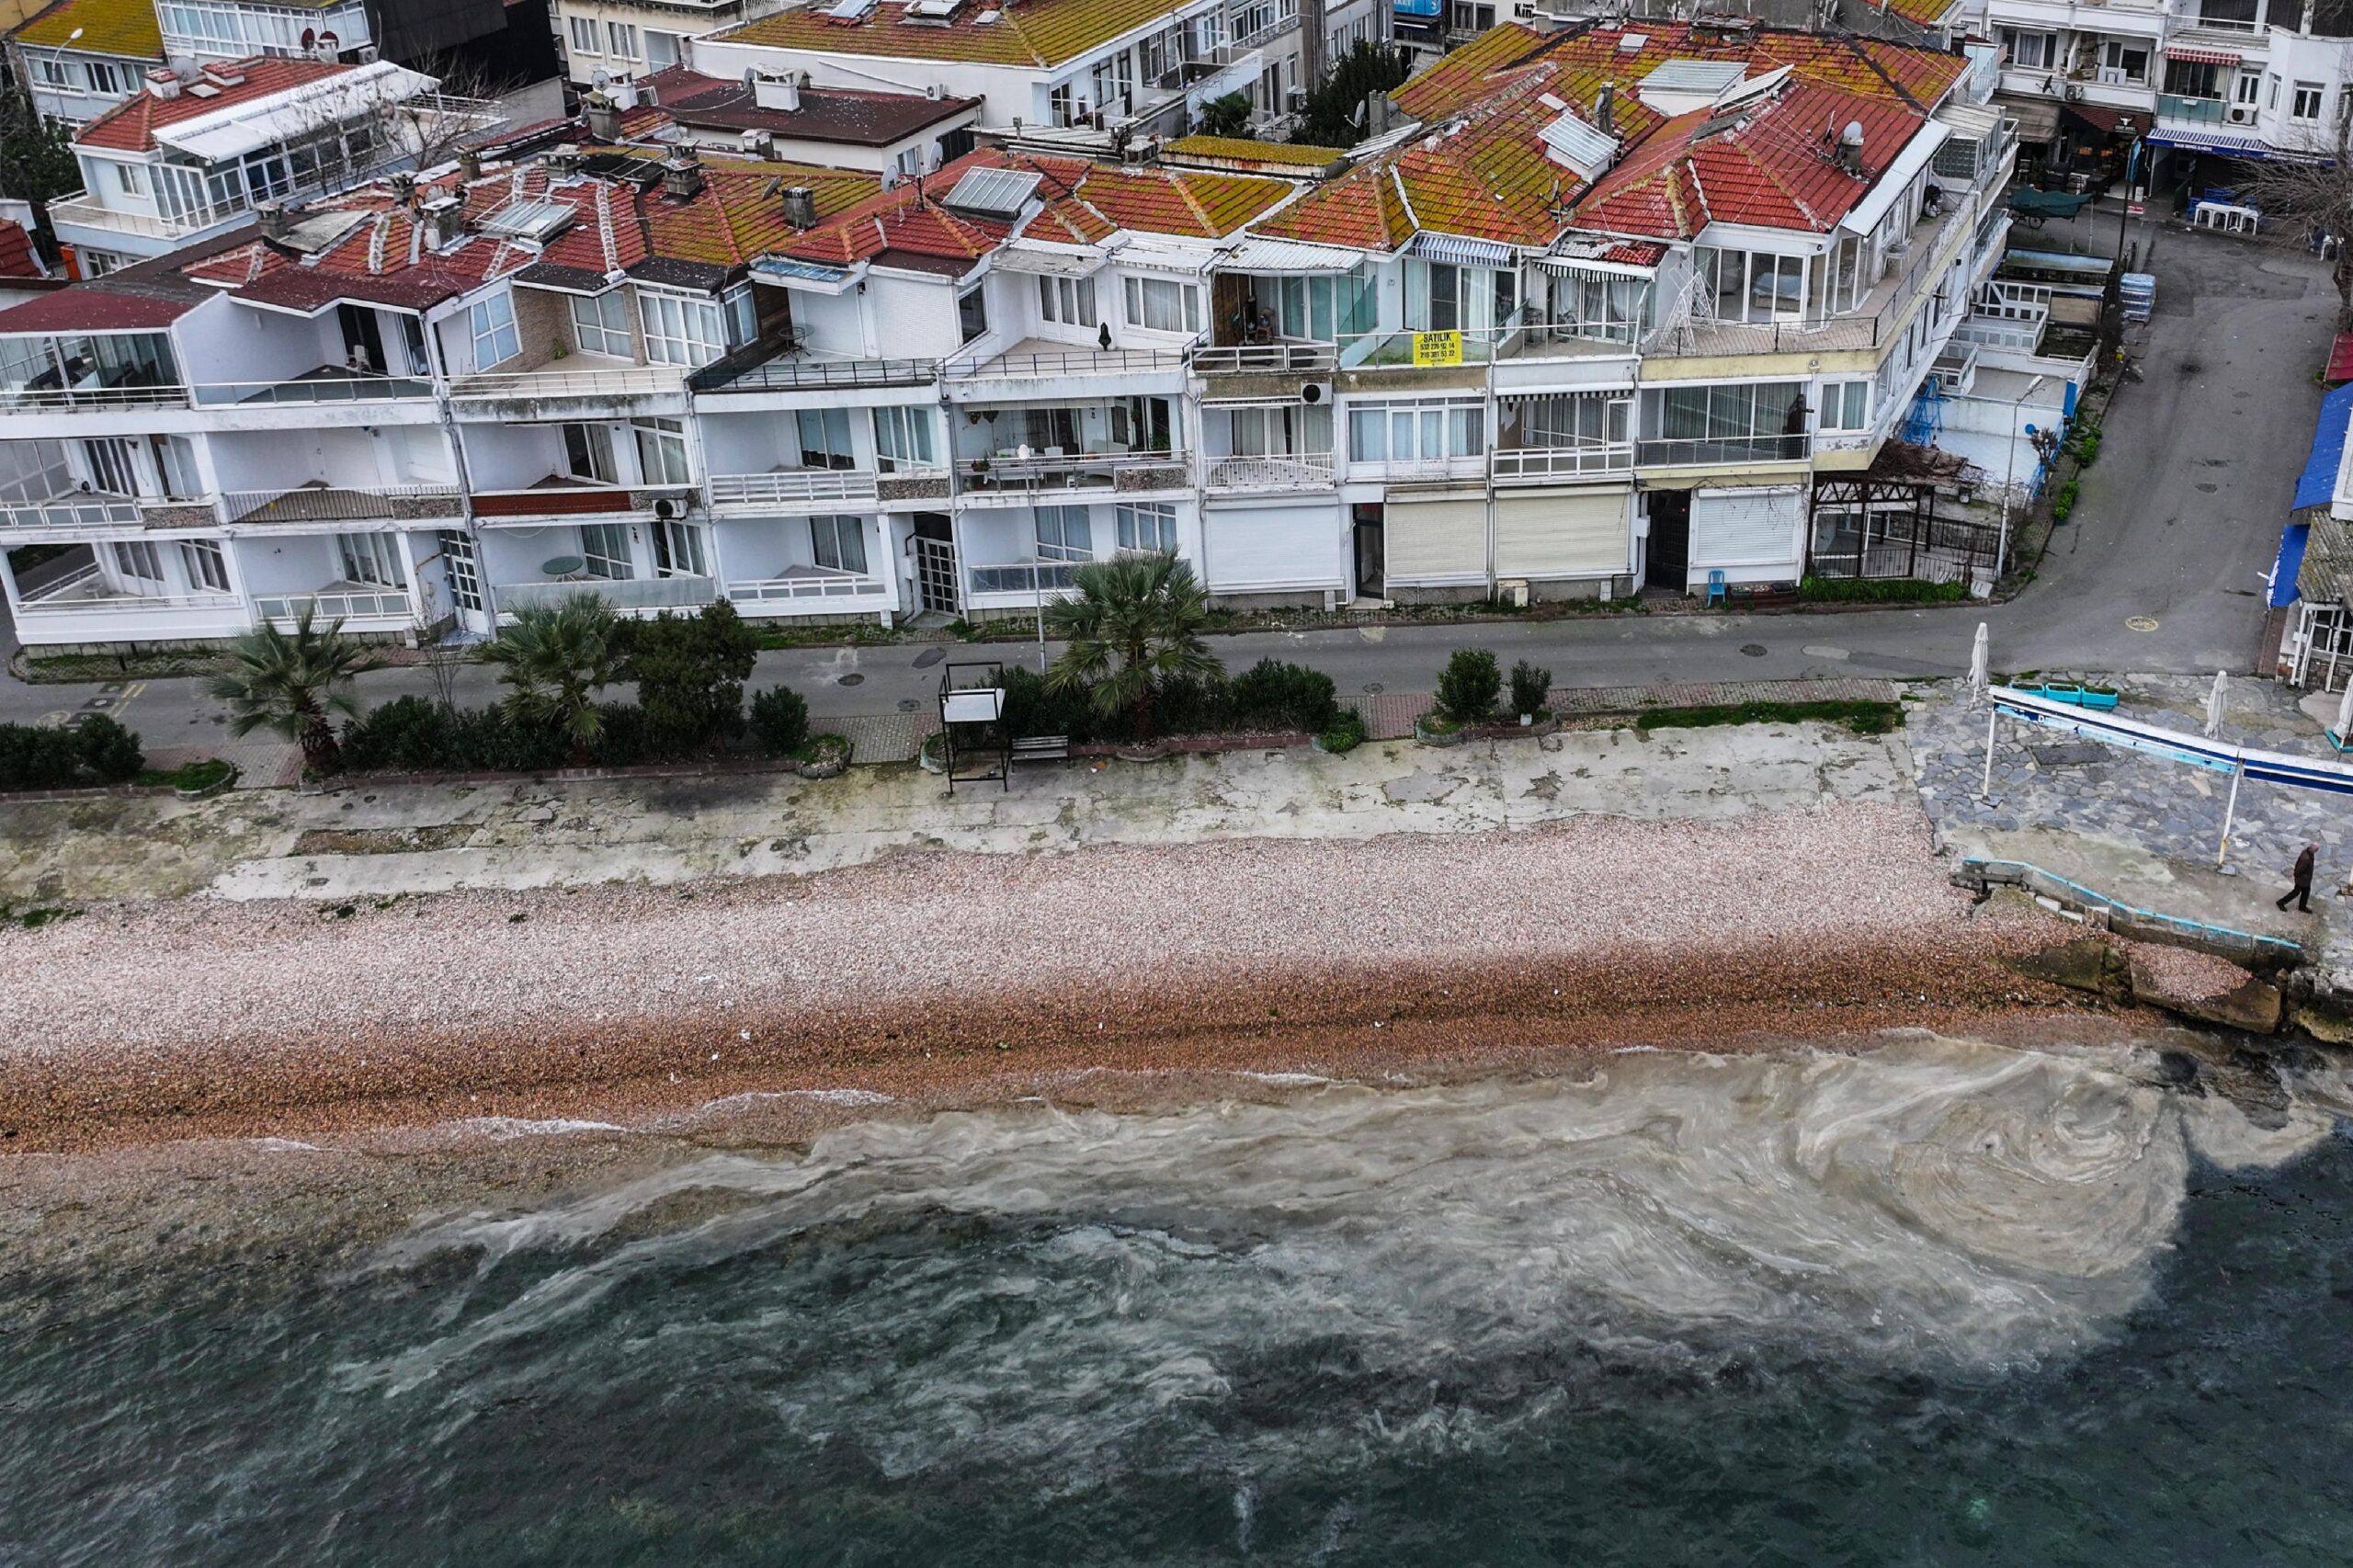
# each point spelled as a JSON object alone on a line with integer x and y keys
{"x": 2075, "y": 804}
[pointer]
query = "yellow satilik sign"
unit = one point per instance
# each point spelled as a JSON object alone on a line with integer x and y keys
{"x": 1437, "y": 348}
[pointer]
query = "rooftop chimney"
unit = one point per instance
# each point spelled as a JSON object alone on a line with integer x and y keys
{"x": 164, "y": 82}
{"x": 603, "y": 116}
{"x": 271, "y": 219}
{"x": 563, "y": 160}
{"x": 800, "y": 206}
{"x": 682, "y": 174}
{"x": 470, "y": 163}
{"x": 1605, "y": 110}
{"x": 780, "y": 92}
{"x": 1850, "y": 147}
{"x": 445, "y": 221}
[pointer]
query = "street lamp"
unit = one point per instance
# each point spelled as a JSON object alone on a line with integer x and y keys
{"x": 2009, "y": 482}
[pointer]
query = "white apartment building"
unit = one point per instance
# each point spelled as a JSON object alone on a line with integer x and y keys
{"x": 832, "y": 395}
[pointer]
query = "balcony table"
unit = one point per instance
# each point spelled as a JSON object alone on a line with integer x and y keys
{"x": 564, "y": 568}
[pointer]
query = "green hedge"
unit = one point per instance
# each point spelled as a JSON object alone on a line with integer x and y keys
{"x": 1863, "y": 718}
{"x": 1880, "y": 591}
{"x": 415, "y": 734}
{"x": 97, "y": 750}
{"x": 1271, "y": 695}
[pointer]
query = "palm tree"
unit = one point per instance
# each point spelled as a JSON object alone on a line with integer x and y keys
{"x": 554, "y": 660}
{"x": 1136, "y": 622}
{"x": 290, "y": 682}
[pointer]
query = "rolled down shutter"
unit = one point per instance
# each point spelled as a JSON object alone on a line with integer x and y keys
{"x": 1436, "y": 543}
{"x": 1563, "y": 533}
{"x": 1256, "y": 548}
{"x": 1747, "y": 528}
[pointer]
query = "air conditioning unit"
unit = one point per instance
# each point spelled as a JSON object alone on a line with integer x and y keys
{"x": 1295, "y": 101}
{"x": 2075, "y": 94}
{"x": 1313, "y": 393}
{"x": 366, "y": 52}
{"x": 2240, "y": 114}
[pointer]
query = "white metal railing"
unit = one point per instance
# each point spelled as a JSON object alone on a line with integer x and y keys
{"x": 788, "y": 590}
{"x": 341, "y": 605}
{"x": 1696, "y": 451}
{"x": 34, "y": 398}
{"x": 325, "y": 388}
{"x": 1284, "y": 470}
{"x": 2014, "y": 301}
{"x": 620, "y": 381}
{"x": 340, "y": 503}
{"x": 1992, "y": 332}
{"x": 73, "y": 594}
{"x": 1554, "y": 462}
{"x": 1236, "y": 357}
{"x": 1074, "y": 362}
{"x": 72, "y": 512}
{"x": 2244, "y": 28}
{"x": 1473, "y": 466}
{"x": 626, "y": 593}
{"x": 1074, "y": 470}
{"x": 795, "y": 485}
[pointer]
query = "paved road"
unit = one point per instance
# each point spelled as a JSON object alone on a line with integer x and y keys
{"x": 2178, "y": 521}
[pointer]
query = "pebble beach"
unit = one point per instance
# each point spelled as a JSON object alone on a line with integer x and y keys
{"x": 140, "y": 1021}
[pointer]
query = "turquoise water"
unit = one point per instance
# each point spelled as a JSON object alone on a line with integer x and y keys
{"x": 1943, "y": 1304}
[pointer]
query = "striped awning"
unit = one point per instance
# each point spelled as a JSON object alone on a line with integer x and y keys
{"x": 2202, "y": 56}
{"x": 1462, "y": 252}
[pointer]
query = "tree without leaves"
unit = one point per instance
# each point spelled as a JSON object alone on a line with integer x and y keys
{"x": 291, "y": 682}
{"x": 555, "y": 659}
{"x": 2312, "y": 198}
{"x": 1136, "y": 623}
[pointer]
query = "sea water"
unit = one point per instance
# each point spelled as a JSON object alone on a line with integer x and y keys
{"x": 1935, "y": 1303}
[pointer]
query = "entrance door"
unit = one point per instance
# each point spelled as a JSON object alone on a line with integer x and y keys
{"x": 1371, "y": 554}
{"x": 462, "y": 569}
{"x": 935, "y": 563}
{"x": 1668, "y": 564}
{"x": 363, "y": 340}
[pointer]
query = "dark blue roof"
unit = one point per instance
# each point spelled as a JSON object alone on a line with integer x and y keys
{"x": 2318, "y": 483}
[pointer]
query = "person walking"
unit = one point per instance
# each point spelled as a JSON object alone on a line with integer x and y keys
{"x": 2302, "y": 889}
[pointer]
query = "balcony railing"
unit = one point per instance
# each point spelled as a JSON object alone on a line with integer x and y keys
{"x": 816, "y": 583}
{"x": 1076, "y": 362}
{"x": 1412, "y": 471}
{"x": 1561, "y": 462}
{"x": 1072, "y": 471}
{"x": 2242, "y": 26}
{"x": 793, "y": 486}
{"x": 1236, "y": 359}
{"x": 87, "y": 591}
{"x": 2193, "y": 111}
{"x": 624, "y": 593}
{"x": 340, "y": 604}
{"x": 94, "y": 398}
{"x": 319, "y": 386}
{"x": 744, "y": 372}
{"x": 1025, "y": 577}
{"x": 1294, "y": 471}
{"x": 632, "y": 381}
{"x": 73, "y": 512}
{"x": 580, "y": 500}
{"x": 315, "y": 504}
{"x": 1696, "y": 453}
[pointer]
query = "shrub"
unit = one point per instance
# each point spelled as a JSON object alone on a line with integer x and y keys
{"x": 1880, "y": 591}
{"x": 779, "y": 720}
{"x": 689, "y": 671}
{"x": 1034, "y": 708}
{"x": 2064, "y": 502}
{"x": 106, "y": 751}
{"x": 1531, "y": 685}
{"x": 1468, "y": 684}
{"x": 1272, "y": 695}
{"x": 408, "y": 735}
{"x": 32, "y": 758}
{"x": 1343, "y": 733}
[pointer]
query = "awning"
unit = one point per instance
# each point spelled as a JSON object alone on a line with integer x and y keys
{"x": 2317, "y": 485}
{"x": 1889, "y": 188}
{"x": 2110, "y": 121}
{"x": 1290, "y": 258}
{"x": 2202, "y": 56}
{"x": 2340, "y": 359}
{"x": 2210, "y": 142}
{"x": 1571, "y": 265}
{"x": 2287, "y": 564}
{"x": 2037, "y": 121}
{"x": 815, "y": 276}
{"x": 1044, "y": 262}
{"x": 284, "y": 116}
{"x": 1461, "y": 252}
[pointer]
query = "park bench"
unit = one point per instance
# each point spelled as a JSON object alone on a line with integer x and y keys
{"x": 1041, "y": 748}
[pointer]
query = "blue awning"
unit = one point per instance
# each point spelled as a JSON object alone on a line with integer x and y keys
{"x": 2287, "y": 564}
{"x": 2219, "y": 144}
{"x": 2317, "y": 485}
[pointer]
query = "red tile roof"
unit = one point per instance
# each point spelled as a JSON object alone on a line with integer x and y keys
{"x": 92, "y": 307}
{"x": 17, "y": 258}
{"x": 130, "y": 125}
{"x": 850, "y": 118}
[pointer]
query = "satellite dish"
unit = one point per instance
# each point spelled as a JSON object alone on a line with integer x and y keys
{"x": 601, "y": 79}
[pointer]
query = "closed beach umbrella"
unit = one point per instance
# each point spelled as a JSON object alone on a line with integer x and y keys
{"x": 1981, "y": 663}
{"x": 2345, "y": 714}
{"x": 2214, "y": 701}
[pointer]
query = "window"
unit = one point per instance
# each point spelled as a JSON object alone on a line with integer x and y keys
{"x": 662, "y": 450}
{"x": 1564, "y": 420}
{"x": 1603, "y": 306}
{"x": 1114, "y": 82}
{"x": 2192, "y": 79}
{"x": 679, "y": 550}
{"x": 838, "y": 542}
{"x": 54, "y": 73}
{"x": 1070, "y": 301}
{"x": 1061, "y": 105}
{"x": 2306, "y": 103}
{"x": 971, "y": 313}
{"x": 583, "y": 35}
{"x": 620, "y": 39}
{"x": 2123, "y": 60}
{"x": 824, "y": 439}
{"x": 1845, "y": 405}
{"x": 1441, "y": 297}
{"x": 373, "y": 559}
{"x": 495, "y": 339}
{"x": 908, "y": 164}
{"x": 175, "y": 460}
{"x": 589, "y": 453}
{"x": 1065, "y": 533}
{"x": 1282, "y": 430}
{"x": 465, "y": 569}
{"x": 2030, "y": 51}
{"x": 139, "y": 564}
{"x": 207, "y": 573}
{"x": 1755, "y": 285}
{"x": 903, "y": 439}
{"x": 1148, "y": 528}
{"x": 603, "y": 551}
{"x": 2249, "y": 87}
{"x": 681, "y": 329}
{"x": 1725, "y": 424}
{"x": 662, "y": 49}
{"x": 1322, "y": 309}
{"x": 133, "y": 179}
{"x": 600, "y": 326}
{"x": 103, "y": 78}
{"x": 113, "y": 471}
{"x": 1163, "y": 304}
{"x": 2272, "y": 99}
{"x": 1429, "y": 430}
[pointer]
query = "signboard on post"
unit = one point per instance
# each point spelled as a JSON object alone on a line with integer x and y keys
{"x": 1433, "y": 348}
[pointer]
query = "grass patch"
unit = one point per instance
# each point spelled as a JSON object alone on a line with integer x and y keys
{"x": 1344, "y": 734}
{"x": 1880, "y": 591}
{"x": 59, "y": 669}
{"x": 1862, "y": 718}
{"x": 194, "y": 776}
{"x": 35, "y": 918}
